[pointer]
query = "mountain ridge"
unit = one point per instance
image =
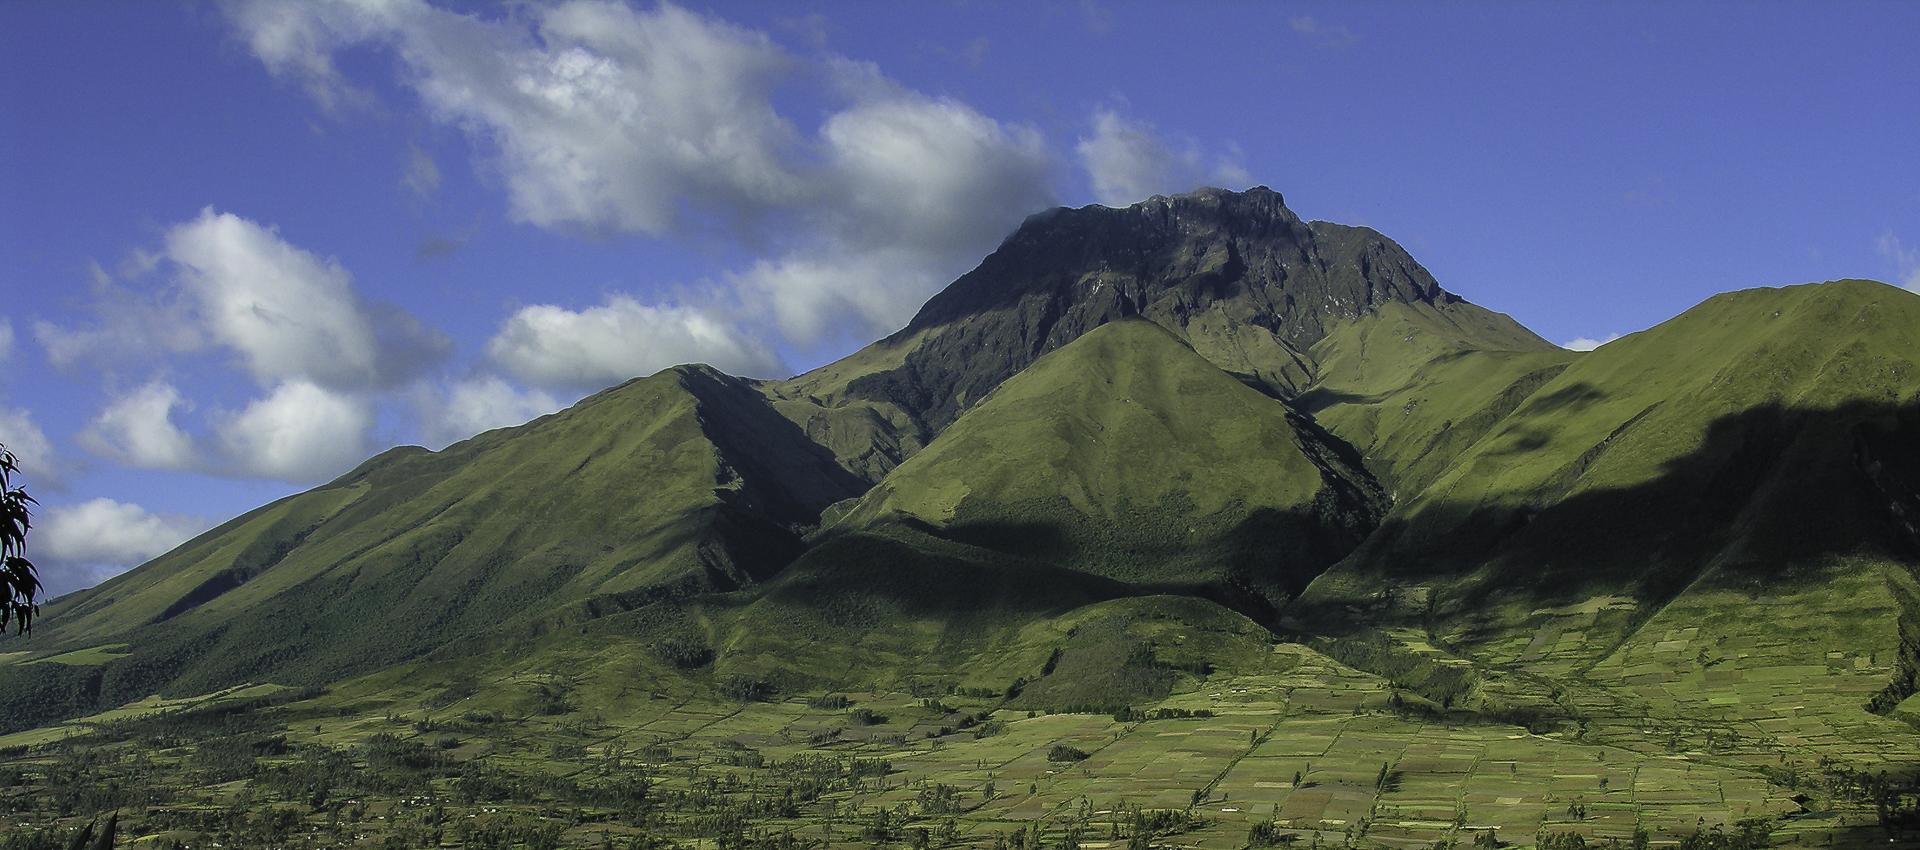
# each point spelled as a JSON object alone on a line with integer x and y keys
{"x": 1422, "y": 452}
{"x": 1238, "y": 276}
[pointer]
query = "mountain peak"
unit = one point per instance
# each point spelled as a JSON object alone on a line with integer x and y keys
{"x": 1244, "y": 281}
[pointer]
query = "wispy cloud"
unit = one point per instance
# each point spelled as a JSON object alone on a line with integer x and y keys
{"x": 422, "y": 176}
{"x": 1319, "y": 32}
{"x": 1587, "y": 343}
{"x": 1128, "y": 160}
{"x": 1904, "y": 260}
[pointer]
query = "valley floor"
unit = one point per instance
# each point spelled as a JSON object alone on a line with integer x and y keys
{"x": 1312, "y": 753}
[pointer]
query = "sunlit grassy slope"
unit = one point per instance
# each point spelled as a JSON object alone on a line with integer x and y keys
{"x": 684, "y": 482}
{"x": 1126, "y": 455}
{"x": 1761, "y": 443}
{"x": 1119, "y": 467}
{"x": 1413, "y": 385}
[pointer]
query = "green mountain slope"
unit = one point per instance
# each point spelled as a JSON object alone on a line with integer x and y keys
{"x": 1759, "y": 444}
{"x": 1125, "y": 454}
{"x": 1414, "y": 385}
{"x": 684, "y": 482}
{"x": 1114, "y": 470}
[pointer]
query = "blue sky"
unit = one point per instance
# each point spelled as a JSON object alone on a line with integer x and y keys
{"x": 244, "y": 245}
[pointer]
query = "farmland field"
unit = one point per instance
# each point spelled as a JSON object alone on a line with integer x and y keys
{"x": 1299, "y": 750}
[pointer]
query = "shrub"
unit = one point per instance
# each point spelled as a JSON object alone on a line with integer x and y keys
{"x": 1062, "y": 752}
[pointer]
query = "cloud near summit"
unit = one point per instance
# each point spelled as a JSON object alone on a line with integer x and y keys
{"x": 605, "y": 118}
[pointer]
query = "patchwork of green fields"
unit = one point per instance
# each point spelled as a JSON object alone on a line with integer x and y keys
{"x": 1302, "y": 751}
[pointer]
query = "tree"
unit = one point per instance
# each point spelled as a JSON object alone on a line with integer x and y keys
{"x": 19, "y": 581}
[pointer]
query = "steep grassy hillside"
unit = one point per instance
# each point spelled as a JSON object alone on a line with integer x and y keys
{"x": 1414, "y": 385}
{"x": 1762, "y": 443}
{"x": 1126, "y": 455}
{"x": 1036, "y": 538}
{"x": 684, "y": 482}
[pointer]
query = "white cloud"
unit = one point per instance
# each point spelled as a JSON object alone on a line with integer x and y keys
{"x": 1128, "y": 161}
{"x": 39, "y": 464}
{"x": 478, "y": 404}
{"x": 295, "y": 38}
{"x": 604, "y": 118}
{"x": 1587, "y": 343}
{"x": 290, "y": 314}
{"x": 924, "y": 187}
{"x": 553, "y": 346}
{"x": 809, "y": 295}
{"x": 599, "y": 115}
{"x": 300, "y": 432}
{"x": 233, "y": 282}
{"x": 138, "y": 429}
{"x": 1905, "y": 261}
{"x": 77, "y": 546}
{"x": 932, "y": 173}
{"x": 129, "y": 324}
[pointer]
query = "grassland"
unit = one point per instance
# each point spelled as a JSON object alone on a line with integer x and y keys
{"x": 1289, "y": 748}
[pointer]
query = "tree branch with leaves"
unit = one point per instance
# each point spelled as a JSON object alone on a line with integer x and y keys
{"x": 19, "y": 581}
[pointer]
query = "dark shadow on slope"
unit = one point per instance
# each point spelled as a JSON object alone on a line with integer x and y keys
{"x": 1769, "y": 492}
{"x": 788, "y": 478}
{"x": 1250, "y": 561}
{"x": 1314, "y": 401}
{"x": 1578, "y": 395}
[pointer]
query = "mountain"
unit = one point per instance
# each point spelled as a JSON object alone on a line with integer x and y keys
{"x": 1127, "y": 455}
{"x": 1199, "y": 414}
{"x": 1242, "y": 279}
{"x": 1111, "y": 486}
{"x": 1235, "y": 524}
{"x": 684, "y": 482}
{"x": 1762, "y": 442}
{"x": 1411, "y": 387}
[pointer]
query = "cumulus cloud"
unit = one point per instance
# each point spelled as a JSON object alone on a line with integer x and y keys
{"x": 477, "y": 404}
{"x": 931, "y": 173}
{"x": 291, "y": 314}
{"x": 924, "y": 186}
{"x": 556, "y": 347}
{"x": 138, "y": 429}
{"x": 297, "y": 40}
{"x": 221, "y": 279}
{"x": 1129, "y": 160}
{"x": 126, "y": 323}
{"x": 300, "y": 432}
{"x": 605, "y": 118}
{"x": 599, "y": 115}
{"x": 1586, "y": 343}
{"x": 1905, "y": 261}
{"x": 22, "y": 436}
{"x": 810, "y": 294}
{"x": 80, "y": 545}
